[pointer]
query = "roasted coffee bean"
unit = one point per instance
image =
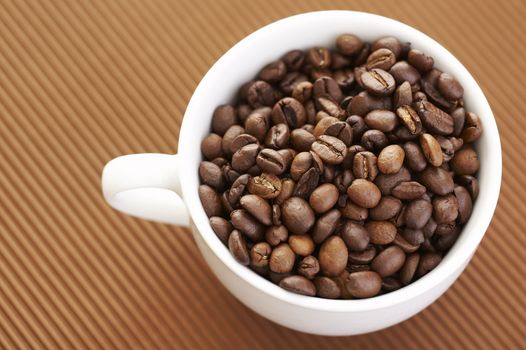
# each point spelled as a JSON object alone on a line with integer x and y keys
{"x": 211, "y": 175}
{"x": 434, "y": 119}
{"x": 245, "y": 157}
{"x": 414, "y": 237}
{"x": 381, "y": 119}
{"x": 294, "y": 60}
{"x": 211, "y": 146}
{"x": 414, "y": 157}
{"x": 323, "y": 124}
{"x": 445, "y": 208}
{"x": 331, "y": 107}
{"x": 447, "y": 146}
{"x": 449, "y": 87}
{"x": 403, "y": 95}
{"x": 327, "y": 86}
{"x": 271, "y": 161}
{"x": 473, "y": 128}
{"x": 427, "y": 263}
{"x": 391, "y": 159}
{"x": 238, "y": 247}
{"x": 399, "y": 219}
{"x": 302, "y": 91}
{"x": 447, "y": 229}
{"x": 410, "y": 119}
{"x": 287, "y": 188}
{"x": 307, "y": 183}
{"x": 302, "y": 245}
{"x": 355, "y": 212}
{"x": 374, "y": 140}
{"x": 402, "y": 71}
{"x": 301, "y": 163}
{"x": 210, "y": 200}
{"x": 330, "y": 149}
{"x": 408, "y": 190}
{"x": 290, "y": 80}
{"x": 363, "y": 284}
{"x": 260, "y": 254}
{"x": 241, "y": 141}
{"x": 326, "y": 225}
{"x": 309, "y": 267}
{"x": 289, "y": 111}
{"x": 297, "y": 215}
{"x": 339, "y": 61}
{"x": 319, "y": 57}
{"x": 260, "y": 94}
{"x": 258, "y": 208}
{"x": 333, "y": 256}
{"x": 459, "y": 118}
{"x": 390, "y": 284}
{"x": 278, "y": 136}
{"x": 247, "y": 224}
{"x": 277, "y": 277}
{"x": 364, "y": 257}
{"x": 437, "y": 180}
{"x": 230, "y": 135}
{"x": 273, "y": 72}
{"x": 355, "y": 236}
{"x": 266, "y": 186}
{"x": 254, "y": 170}
{"x": 327, "y": 288}
{"x": 348, "y": 44}
{"x": 465, "y": 204}
{"x": 243, "y": 111}
{"x": 420, "y": 60}
{"x": 364, "y": 193}
{"x": 387, "y": 208}
{"x": 386, "y": 182}
{"x": 358, "y": 126}
{"x": 227, "y": 206}
{"x": 365, "y": 166}
{"x": 299, "y": 285}
{"x": 408, "y": 270}
{"x": 404, "y": 244}
{"x": 363, "y": 103}
{"x": 328, "y": 173}
{"x": 471, "y": 184}
{"x": 465, "y": 162}
{"x": 340, "y": 130}
{"x": 388, "y": 261}
{"x": 238, "y": 188}
{"x": 382, "y": 58}
{"x": 432, "y": 150}
{"x": 390, "y": 43}
{"x": 430, "y": 228}
{"x": 275, "y": 235}
{"x": 323, "y": 198}
{"x": 223, "y": 118}
{"x": 378, "y": 82}
{"x": 417, "y": 213}
{"x": 282, "y": 259}
{"x": 221, "y": 227}
{"x": 345, "y": 80}
{"x": 381, "y": 232}
{"x": 343, "y": 180}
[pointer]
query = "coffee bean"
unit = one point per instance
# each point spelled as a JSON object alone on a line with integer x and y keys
{"x": 343, "y": 180}
{"x": 319, "y": 57}
{"x": 414, "y": 237}
{"x": 365, "y": 166}
{"x": 339, "y": 61}
{"x": 459, "y": 118}
{"x": 340, "y": 130}
{"x": 407, "y": 247}
{"x": 327, "y": 288}
{"x": 221, "y": 227}
{"x": 278, "y": 277}
{"x": 358, "y": 126}
{"x": 408, "y": 190}
{"x": 434, "y": 119}
{"x": 408, "y": 270}
{"x": 260, "y": 254}
{"x": 289, "y": 111}
{"x": 363, "y": 284}
{"x": 445, "y": 242}
{"x": 294, "y": 60}
{"x": 271, "y": 161}
{"x": 391, "y": 159}
{"x": 323, "y": 124}
{"x": 327, "y": 86}
{"x": 333, "y": 256}
{"x": 258, "y": 208}
{"x": 374, "y": 140}
{"x": 354, "y": 212}
{"x": 260, "y": 94}
{"x": 325, "y": 225}
{"x": 240, "y": 141}
{"x": 330, "y": 106}
{"x": 402, "y": 71}
{"x": 465, "y": 162}
{"x": 403, "y": 95}
{"x": 430, "y": 228}
{"x": 266, "y": 186}
{"x": 307, "y": 183}
{"x": 378, "y": 82}
{"x": 302, "y": 245}
{"x": 381, "y": 119}
{"x": 275, "y": 235}
{"x": 309, "y": 267}
{"x": 273, "y": 72}
{"x": 348, "y": 44}
{"x": 437, "y": 180}
{"x": 465, "y": 204}
{"x": 473, "y": 128}
{"x": 382, "y": 58}
{"x": 381, "y": 232}
{"x": 324, "y": 198}
{"x": 290, "y": 80}
{"x": 364, "y": 257}
{"x": 355, "y": 236}
{"x": 420, "y": 60}
{"x": 445, "y": 208}
{"x": 386, "y": 182}
{"x": 247, "y": 224}
{"x": 364, "y": 193}
{"x": 329, "y": 149}
{"x": 278, "y": 136}
{"x": 223, "y": 118}
{"x": 387, "y": 208}
{"x": 297, "y": 215}
{"x": 410, "y": 119}
{"x": 390, "y": 284}
{"x": 211, "y": 175}
{"x": 345, "y": 80}
{"x": 299, "y": 285}
{"x": 210, "y": 200}
{"x": 427, "y": 263}
{"x": 282, "y": 259}
{"x": 471, "y": 184}
{"x": 432, "y": 150}
{"x": 302, "y": 92}
{"x": 245, "y": 157}
{"x": 414, "y": 157}
{"x": 243, "y": 111}
{"x": 449, "y": 87}
{"x": 229, "y": 136}
{"x": 417, "y": 213}
{"x": 390, "y": 43}
{"x": 388, "y": 261}
{"x": 238, "y": 247}
{"x": 211, "y": 146}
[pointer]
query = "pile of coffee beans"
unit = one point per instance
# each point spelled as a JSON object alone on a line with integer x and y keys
{"x": 342, "y": 173}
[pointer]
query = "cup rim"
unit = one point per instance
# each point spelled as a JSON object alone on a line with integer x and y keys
{"x": 458, "y": 255}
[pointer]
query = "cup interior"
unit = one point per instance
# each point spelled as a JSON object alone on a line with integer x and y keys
{"x": 242, "y": 63}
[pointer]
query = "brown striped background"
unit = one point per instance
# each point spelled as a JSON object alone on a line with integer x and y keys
{"x": 82, "y": 82}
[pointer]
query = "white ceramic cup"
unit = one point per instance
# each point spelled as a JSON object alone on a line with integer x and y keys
{"x": 164, "y": 188}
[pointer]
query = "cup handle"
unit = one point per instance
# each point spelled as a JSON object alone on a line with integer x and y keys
{"x": 147, "y": 186}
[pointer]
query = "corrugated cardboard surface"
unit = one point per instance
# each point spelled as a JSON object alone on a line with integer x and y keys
{"x": 82, "y": 82}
